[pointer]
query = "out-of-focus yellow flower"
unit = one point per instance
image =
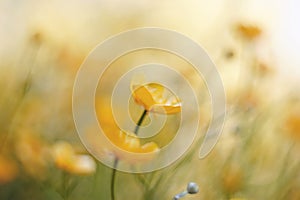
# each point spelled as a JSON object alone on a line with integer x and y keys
{"x": 65, "y": 158}
{"x": 37, "y": 38}
{"x": 232, "y": 179}
{"x": 70, "y": 60}
{"x": 125, "y": 141}
{"x": 249, "y": 100}
{"x": 249, "y": 32}
{"x": 265, "y": 69}
{"x": 292, "y": 125}
{"x": 33, "y": 153}
{"x": 131, "y": 143}
{"x": 294, "y": 193}
{"x": 155, "y": 98}
{"x": 8, "y": 170}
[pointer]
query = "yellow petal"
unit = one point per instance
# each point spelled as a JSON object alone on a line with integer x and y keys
{"x": 156, "y": 91}
{"x": 166, "y": 109}
{"x": 249, "y": 31}
{"x": 64, "y": 155}
{"x": 8, "y": 170}
{"x": 83, "y": 165}
{"x": 143, "y": 97}
{"x": 151, "y": 96}
{"x": 131, "y": 143}
{"x": 149, "y": 147}
{"x": 66, "y": 159}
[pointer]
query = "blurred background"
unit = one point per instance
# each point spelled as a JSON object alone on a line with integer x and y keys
{"x": 255, "y": 46}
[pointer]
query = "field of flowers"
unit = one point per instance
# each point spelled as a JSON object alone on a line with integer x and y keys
{"x": 42, "y": 156}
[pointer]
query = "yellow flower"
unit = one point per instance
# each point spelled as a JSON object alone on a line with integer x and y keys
{"x": 8, "y": 170}
{"x": 292, "y": 124}
{"x": 155, "y": 98}
{"x": 249, "y": 32}
{"x": 128, "y": 147}
{"x": 265, "y": 69}
{"x": 249, "y": 100}
{"x": 33, "y": 153}
{"x": 66, "y": 159}
{"x": 131, "y": 143}
{"x": 232, "y": 179}
{"x": 126, "y": 141}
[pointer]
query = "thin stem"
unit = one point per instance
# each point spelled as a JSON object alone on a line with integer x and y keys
{"x": 113, "y": 176}
{"x": 65, "y": 185}
{"x": 140, "y": 122}
{"x": 112, "y": 185}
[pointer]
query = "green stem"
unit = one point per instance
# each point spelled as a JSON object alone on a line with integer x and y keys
{"x": 113, "y": 176}
{"x": 140, "y": 122}
{"x": 112, "y": 185}
{"x": 65, "y": 185}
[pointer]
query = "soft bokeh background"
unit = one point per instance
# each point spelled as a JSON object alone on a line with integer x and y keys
{"x": 255, "y": 45}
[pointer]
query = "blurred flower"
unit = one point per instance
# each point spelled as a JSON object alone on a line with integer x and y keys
{"x": 66, "y": 159}
{"x": 292, "y": 124}
{"x": 33, "y": 154}
{"x": 232, "y": 179}
{"x": 249, "y": 32}
{"x": 131, "y": 143}
{"x": 37, "y": 37}
{"x": 264, "y": 69}
{"x": 294, "y": 193}
{"x": 69, "y": 59}
{"x": 8, "y": 170}
{"x": 124, "y": 140}
{"x": 249, "y": 100}
{"x": 154, "y": 98}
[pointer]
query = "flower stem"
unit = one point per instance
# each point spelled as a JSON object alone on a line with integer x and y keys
{"x": 113, "y": 176}
{"x": 140, "y": 122}
{"x": 112, "y": 185}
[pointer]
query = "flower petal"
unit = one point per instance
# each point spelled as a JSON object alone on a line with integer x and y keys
{"x": 143, "y": 97}
{"x": 149, "y": 147}
{"x": 166, "y": 109}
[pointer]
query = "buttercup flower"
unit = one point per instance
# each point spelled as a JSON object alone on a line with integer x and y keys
{"x": 124, "y": 140}
{"x": 155, "y": 98}
{"x": 232, "y": 179}
{"x": 33, "y": 153}
{"x": 249, "y": 31}
{"x": 65, "y": 158}
{"x": 131, "y": 143}
{"x": 292, "y": 124}
{"x": 8, "y": 170}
